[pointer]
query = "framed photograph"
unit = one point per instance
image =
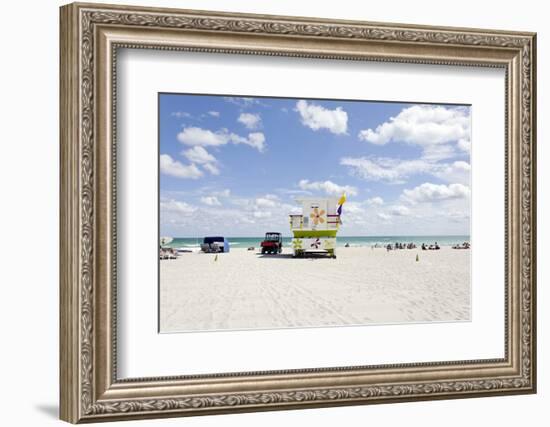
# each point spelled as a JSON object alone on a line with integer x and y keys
{"x": 266, "y": 212}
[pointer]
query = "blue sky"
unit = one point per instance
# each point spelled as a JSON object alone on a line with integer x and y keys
{"x": 234, "y": 165}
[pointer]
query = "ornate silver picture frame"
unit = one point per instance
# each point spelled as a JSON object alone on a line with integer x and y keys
{"x": 91, "y": 35}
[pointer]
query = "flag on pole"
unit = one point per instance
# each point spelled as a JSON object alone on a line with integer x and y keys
{"x": 341, "y": 201}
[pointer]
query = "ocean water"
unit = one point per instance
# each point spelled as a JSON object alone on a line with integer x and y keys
{"x": 368, "y": 241}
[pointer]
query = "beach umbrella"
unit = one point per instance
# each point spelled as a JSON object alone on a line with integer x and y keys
{"x": 165, "y": 240}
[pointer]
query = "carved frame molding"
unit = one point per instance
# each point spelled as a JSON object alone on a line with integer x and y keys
{"x": 90, "y": 36}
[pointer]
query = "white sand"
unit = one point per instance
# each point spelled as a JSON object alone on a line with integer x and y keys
{"x": 247, "y": 290}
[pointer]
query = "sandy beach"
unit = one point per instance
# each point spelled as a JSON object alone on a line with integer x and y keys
{"x": 246, "y": 290}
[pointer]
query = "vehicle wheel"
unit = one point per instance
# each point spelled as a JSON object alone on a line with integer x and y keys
{"x": 263, "y": 251}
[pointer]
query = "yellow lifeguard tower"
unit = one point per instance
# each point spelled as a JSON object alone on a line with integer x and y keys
{"x": 315, "y": 229}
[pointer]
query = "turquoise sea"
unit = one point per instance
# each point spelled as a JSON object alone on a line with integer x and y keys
{"x": 368, "y": 241}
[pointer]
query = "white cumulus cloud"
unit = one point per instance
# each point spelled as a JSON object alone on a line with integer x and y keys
{"x": 429, "y": 192}
{"x": 176, "y": 207}
{"x": 328, "y": 187}
{"x": 169, "y": 166}
{"x": 198, "y": 154}
{"x": 210, "y": 201}
{"x": 458, "y": 171}
{"x": 265, "y": 202}
{"x": 262, "y": 214}
{"x": 223, "y": 193}
{"x": 396, "y": 171}
{"x": 436, "y": 129}
{"x": 250, "y": 120}
{"x": 195, "y": 136}
{"x": 375, "y": 201}
{"x": 255, "y": 140}
{"x": 317, "y": 117}
{"x": 241, "y": 101}
{"x": 212, "y": 168}
{"x": 214, "y": 113}
{"x": 181, "y": 115}
{"x": 464, "y": 145}
{"x": 385, "y": 169}
{"x": 399, "y": 210}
